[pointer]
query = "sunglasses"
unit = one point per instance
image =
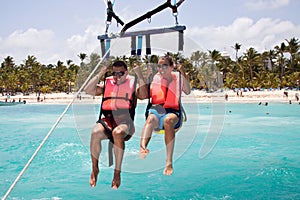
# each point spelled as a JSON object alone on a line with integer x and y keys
{"x": 120, "y": 73}
{"x": 162, "y": 66}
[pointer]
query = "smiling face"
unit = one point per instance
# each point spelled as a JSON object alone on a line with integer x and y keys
{"x": 165, "y": 67}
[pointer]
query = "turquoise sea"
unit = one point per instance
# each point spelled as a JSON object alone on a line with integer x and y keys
{"x": 227, "y": 151}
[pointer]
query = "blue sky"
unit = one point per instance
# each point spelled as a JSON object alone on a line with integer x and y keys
{"x": 61, "y": 29}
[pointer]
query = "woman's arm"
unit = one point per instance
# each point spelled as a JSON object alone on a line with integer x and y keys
{"x": 186, "y": 82}
{"x": 142, "y": 88}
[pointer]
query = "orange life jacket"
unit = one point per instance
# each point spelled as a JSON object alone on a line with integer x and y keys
{"x": 165, "y": 93}
{"x": 118, "y": 96}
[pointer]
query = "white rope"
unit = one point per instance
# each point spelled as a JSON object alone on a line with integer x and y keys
{"x": 52, "y": 129}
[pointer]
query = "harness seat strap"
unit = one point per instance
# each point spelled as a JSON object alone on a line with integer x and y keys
{"x": 102, "y": 44}
{"x": 180, "y": 41}
{"x": 148, "y": 45}
{"x": 133, "y": 45}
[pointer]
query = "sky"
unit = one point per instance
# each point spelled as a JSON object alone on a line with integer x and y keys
{"x": 62, "y": 29}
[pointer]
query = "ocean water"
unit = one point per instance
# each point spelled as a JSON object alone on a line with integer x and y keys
{"x": 223, "y": 151}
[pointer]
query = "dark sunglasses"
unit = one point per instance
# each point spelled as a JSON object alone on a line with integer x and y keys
{"x": 120, "y": 73}
{"x": 162, "y": 66}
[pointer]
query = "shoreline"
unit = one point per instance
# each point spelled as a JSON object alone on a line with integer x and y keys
{"x": 196, "y": 96}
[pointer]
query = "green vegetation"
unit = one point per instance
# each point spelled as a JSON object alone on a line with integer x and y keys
{"x": 276, "y": 68}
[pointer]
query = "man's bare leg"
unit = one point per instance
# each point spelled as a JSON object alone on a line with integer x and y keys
{"x": 119, "y": 145}
{"x": 94, "y": 173}
{"x": 116, "y": 180}
{"x": 168, "y": 169}
{"x": 95, "y": 149}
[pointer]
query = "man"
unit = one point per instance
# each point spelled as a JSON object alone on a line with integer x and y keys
{"x": 164, "y": 110}
{"x": 118, "y": 107}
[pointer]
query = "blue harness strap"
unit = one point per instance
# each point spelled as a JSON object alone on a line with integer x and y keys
{"x": 140, "y": 44}
{"x": 107, "y": 48}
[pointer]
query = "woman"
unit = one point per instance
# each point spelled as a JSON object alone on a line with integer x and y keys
{"x": 164, "y": 112}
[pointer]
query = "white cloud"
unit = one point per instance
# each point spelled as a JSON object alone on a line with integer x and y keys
{"x": 266, "y": 4}
{"x": 31, "y": 38}
{"x": 261, "y": 35}
{"x": 86, "y": 43}
{"x": 46, "y": 47}
{"x": 35, "y": 42}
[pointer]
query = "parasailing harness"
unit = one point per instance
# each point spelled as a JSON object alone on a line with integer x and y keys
{"x": 136, "y": 45}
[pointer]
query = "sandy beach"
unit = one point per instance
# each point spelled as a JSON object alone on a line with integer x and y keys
{"x": 248, "y": 97}
{"x": 196, "y": 96}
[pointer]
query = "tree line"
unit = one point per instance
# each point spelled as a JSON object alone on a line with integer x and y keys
{"x": 211, "y": 70}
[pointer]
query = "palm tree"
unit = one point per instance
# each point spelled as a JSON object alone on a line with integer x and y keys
{"x": 230, "y": 82}
{"x": 293, "y": 47}
{"x": 195, "y": 58}
{"x": 7, "y": 73}
{"x": 236, "y": 47}
{"x": 252, "y": 58}
{"x": 8, "y": 64}
{"x": 214, "y": 55}
{"x": 199, "y": 59}
{"x": 268, "y": 57}
{"x": 34, "y": 68}
{"x": 82, "y": 56}
{"x": 69, "y": 62}
{"x": 225, "y": 65}
{"x": 280, "y": 50}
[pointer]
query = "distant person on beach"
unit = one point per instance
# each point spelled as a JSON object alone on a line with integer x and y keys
{"x": 79, "y": 96}
{"x": 297, "y": 96}
{"x": 226, "y": 97}
{"x": 118, "y": 107}
{"x": 164, "y": 110}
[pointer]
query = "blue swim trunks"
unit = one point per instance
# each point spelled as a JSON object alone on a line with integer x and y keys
{"x": 162, "y": 115}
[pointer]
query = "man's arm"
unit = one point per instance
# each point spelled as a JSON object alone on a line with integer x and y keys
{"x": 92, "y": 87}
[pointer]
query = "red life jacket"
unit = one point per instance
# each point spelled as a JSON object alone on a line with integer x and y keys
{"x": 165, "y": 93}
{"x": 118, "y": 96}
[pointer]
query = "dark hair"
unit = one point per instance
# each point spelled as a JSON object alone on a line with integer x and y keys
{"x": 120, "y": 63}
{"x": 168, "y": 59}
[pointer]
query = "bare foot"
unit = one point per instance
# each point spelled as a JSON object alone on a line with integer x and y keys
{"x": 143, "y": 152}
{"x": 116, "y": 180}
{"x": 168, "y": 170}
{"x": 93, "y": 178}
